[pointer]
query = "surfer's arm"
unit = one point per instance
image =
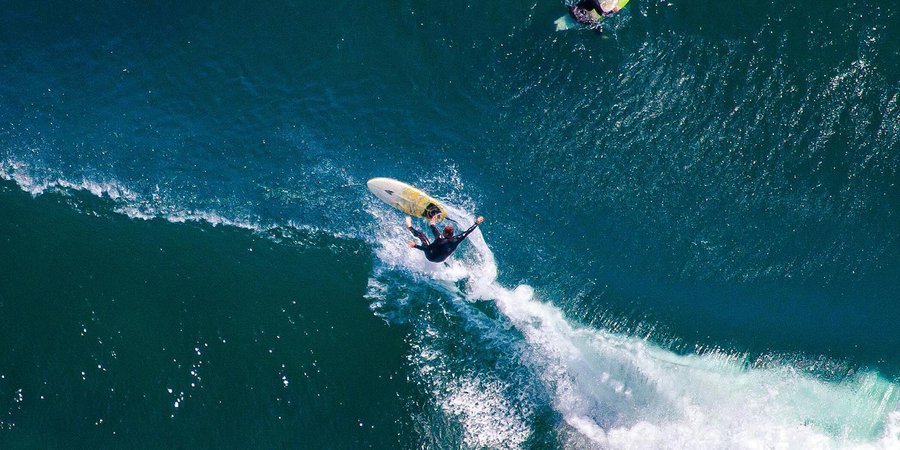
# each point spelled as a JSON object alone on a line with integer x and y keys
{"x": 464, "y": 234}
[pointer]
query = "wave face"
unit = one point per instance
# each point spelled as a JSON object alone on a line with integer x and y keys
{"x": 691, "y": 238}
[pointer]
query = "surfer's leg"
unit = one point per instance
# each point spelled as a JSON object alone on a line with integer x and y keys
{"x": 419, "y": 235}
{"x": 437, "y": 233}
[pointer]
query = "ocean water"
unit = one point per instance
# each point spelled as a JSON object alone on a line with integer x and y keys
{"x": 692, "y": 236}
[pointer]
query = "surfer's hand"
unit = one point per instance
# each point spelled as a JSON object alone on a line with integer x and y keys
{"x": 479, "y": 219}
{"x": 411, "y": 244}
{"x": 408, "y": 222}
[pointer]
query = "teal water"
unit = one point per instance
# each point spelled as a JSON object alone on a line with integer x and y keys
{"x": 143, "y": 333}
{"x": 691, "y": 238}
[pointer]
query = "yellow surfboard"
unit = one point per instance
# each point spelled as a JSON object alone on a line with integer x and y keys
{"x": 406, "y": 198}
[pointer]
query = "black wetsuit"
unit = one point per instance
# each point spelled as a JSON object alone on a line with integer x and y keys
{"x": 581, "y": 12}
{"x": 442, "y": 247}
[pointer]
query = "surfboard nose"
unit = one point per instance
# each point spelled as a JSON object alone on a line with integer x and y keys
{"x": 372, "y": 183}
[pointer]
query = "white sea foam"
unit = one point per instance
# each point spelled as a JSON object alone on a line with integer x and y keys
{"x": 130, "y": 202}
{"x": 23, "y": 175}
{"x": 487, "y": 418}
{"x": 622, "y": 392}
{"x": 479, "y": 406}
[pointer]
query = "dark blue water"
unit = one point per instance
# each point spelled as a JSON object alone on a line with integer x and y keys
{"x": 692, "y": 234}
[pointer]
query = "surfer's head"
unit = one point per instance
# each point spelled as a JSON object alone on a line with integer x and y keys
{"x": 448, "y": 231}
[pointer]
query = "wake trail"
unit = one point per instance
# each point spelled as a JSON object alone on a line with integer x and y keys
{"x": 617, "y": 391}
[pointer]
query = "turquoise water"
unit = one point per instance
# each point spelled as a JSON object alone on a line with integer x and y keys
{"x": 691, "y": 236}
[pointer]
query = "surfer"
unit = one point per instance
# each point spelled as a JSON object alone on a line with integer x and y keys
{"x": 589, "y": 12}
{"x": 444, "y": 243}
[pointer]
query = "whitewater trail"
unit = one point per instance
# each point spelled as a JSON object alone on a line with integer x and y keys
{"x": 623, "y": 392}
